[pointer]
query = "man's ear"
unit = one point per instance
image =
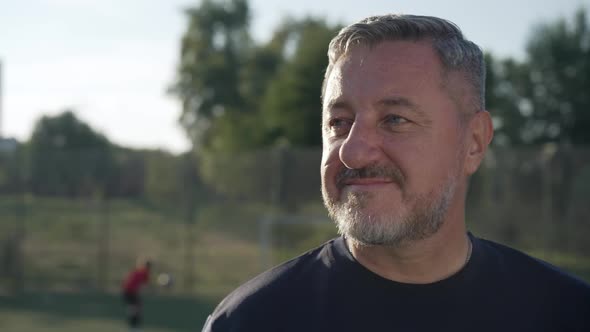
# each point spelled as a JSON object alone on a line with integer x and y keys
{"x": 479, "y": 135}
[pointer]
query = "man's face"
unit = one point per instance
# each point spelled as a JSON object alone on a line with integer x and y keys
{"x": 392, "y": 144}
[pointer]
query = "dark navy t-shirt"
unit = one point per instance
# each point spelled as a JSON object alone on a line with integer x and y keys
{"x": 326, "y": 289}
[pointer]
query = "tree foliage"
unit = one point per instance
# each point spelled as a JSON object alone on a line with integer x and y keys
{"x": 291, "y": 108}
{"x": 545, "y": 98}
{"x": 67, "y": 157}
{"x": 504, "y": 83}
{"x": 559, "y": 82}
{"x": 212, "y": 52}
{"x": 240, "y": 95}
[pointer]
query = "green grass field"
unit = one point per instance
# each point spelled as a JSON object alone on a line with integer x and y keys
{"x": 94, "y": 312}
{"x": 63, "y": 242}
{"x": 100, "y": 312}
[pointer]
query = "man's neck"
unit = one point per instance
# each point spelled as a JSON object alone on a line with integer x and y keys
{"x": 418, "y": 262}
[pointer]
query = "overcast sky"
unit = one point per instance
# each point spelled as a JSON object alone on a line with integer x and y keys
{"x": 112, "y": 60}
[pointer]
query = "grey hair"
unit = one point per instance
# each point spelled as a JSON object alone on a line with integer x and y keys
{"x": 455, "y": 52}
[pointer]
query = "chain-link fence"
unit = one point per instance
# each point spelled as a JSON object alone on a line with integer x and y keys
{"x": 245, "y": 212}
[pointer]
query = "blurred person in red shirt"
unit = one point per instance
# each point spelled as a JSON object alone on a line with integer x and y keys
{"x": 131, "y": 291}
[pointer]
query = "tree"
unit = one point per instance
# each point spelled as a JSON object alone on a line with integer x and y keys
{"x": 67, "y": 157}
{"x": 213, "y": 48}
{"x": 559, "y": 81}
{"x": 545, "y": 97}
{"x": 237, "y": 95}
{"x": 281, "y": 87}
{"x": 291, "y": 108}
{"x": 504, "y": 99}
{"x": 277, "y": 101}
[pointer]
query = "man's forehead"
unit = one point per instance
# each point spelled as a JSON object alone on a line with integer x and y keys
{"x": 387, "y": 60}
{"x": 392, "y": 50}
{"x": 333, "y": 86}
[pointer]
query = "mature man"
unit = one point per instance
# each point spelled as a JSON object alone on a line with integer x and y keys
{"x": 404, "y": 126}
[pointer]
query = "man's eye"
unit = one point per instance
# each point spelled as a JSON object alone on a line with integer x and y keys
{"x": 339, "y": 126}
{"x": 393, "y": 120}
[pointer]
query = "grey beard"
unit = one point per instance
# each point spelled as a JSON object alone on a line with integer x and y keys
{"x": 420, "y": 217}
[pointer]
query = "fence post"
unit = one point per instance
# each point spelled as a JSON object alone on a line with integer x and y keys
{"x": 188, "y": 269}
{"x": 190, "y": 179}
{"x": 264, "y": 235}
{"x": 19, "y": 243}
{"x": 547, "y": 154}
{"x": 103, "y": 244}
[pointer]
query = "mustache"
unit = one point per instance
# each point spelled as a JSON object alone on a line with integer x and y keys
{"x": 371, "y": 171}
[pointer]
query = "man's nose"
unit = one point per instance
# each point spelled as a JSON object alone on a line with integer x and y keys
{"x": 361, "y": 147}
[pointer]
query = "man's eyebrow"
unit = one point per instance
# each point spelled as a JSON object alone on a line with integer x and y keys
{"x": 399, "y": 101}
{"x": 335, "y": 103}
{"x": 385, "y": 102}
{"x": 403, "y": 103}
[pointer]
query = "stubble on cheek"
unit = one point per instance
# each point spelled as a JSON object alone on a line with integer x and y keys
{"x": 355, "y": 200}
